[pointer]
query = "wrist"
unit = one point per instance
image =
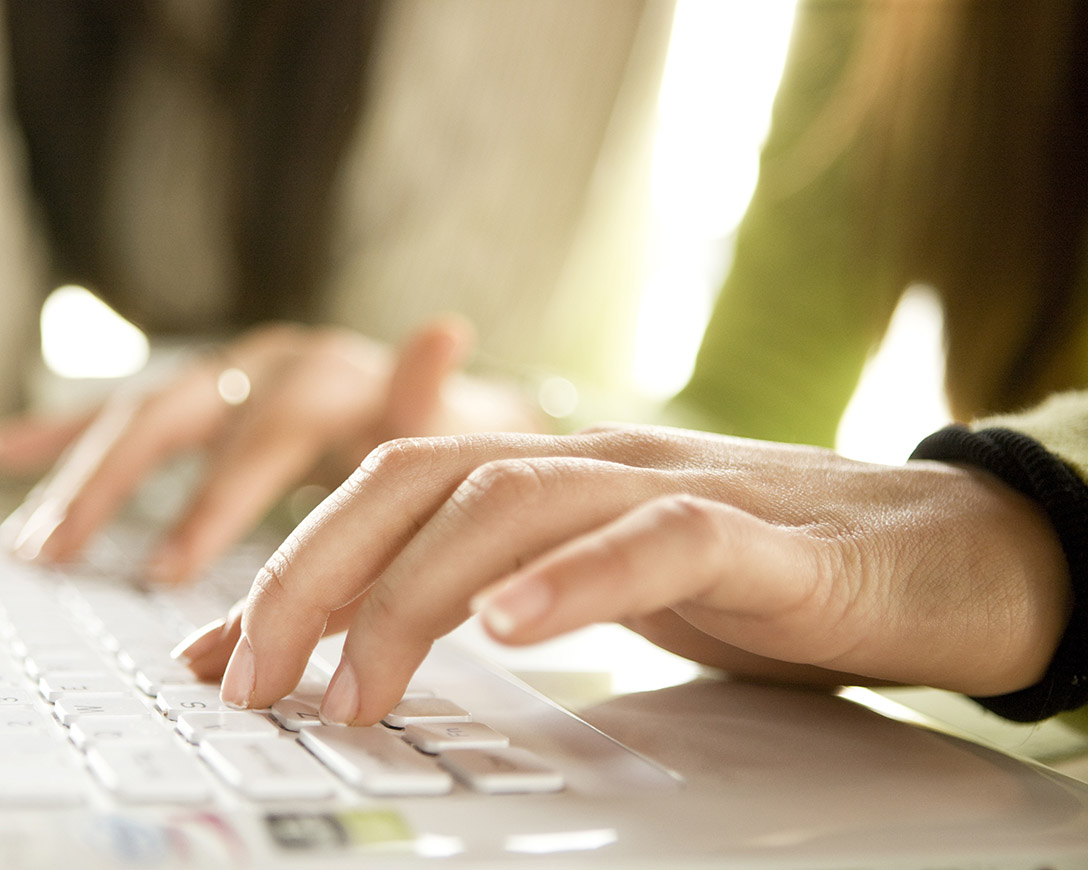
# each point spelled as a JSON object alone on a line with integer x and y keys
{"x": 1054, "y": 623}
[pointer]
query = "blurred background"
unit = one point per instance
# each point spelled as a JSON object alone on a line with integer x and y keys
{"x": 709, "y": 120}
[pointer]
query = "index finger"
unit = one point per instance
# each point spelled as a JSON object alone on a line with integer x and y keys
{"x": 338, "y": 552}
{"x": 505, "y": 515}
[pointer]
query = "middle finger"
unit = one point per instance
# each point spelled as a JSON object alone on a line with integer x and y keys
{"x": 504, "y": 514}
{"x": 402, "y": 491}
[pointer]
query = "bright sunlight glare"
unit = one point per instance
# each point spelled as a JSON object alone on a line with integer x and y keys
{"x": 722, "y": 70}
{"x": 82, "y": 337}
{"x": 900, "y": 399}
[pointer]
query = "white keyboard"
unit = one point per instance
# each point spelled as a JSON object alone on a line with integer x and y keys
{"x": 113, "y": 757}
{"x": 93, "y": 711}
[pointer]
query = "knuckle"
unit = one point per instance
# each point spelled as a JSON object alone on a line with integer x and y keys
{"x": 279, "y": 588}
{"x": 699, "y": 518}
{"x": 500, "y": 485}
{"x": 269, "y": 586}
{"x": 405, "y": 456}
{"x": 406, "y": 462}
{"x": 642, "y": 446}
{"x": 833, "y": 568}
{"x": 603, "y": 429}
{"x": 831, "y": 596}
{"x": 711, "y": 530}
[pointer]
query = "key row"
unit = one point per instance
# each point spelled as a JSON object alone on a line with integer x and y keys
{"x": 137, "y": 759}
{"x": 88, "y": 677}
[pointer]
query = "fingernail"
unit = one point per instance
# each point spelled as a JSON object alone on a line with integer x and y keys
{"x": 201, "y": 641}
{"x": 515, "y": 605}
{"x": 341, "y": 703}
{"x": 240, "y": 677}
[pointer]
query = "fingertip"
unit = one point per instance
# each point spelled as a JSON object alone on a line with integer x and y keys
{"x": 240, "y": 677}
{"x": 340, "y": 705}
{"x": 441, "y": 346}
{"x": 453, "y": 328}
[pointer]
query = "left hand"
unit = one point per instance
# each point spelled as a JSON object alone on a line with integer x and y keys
{"x": 776, "y": 561}
{"x": 319, "y": 400}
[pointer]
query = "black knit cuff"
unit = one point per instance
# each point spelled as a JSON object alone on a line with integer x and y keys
{"x": 1027, "y": 466}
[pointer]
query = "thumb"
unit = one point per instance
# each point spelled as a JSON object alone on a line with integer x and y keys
{"x": 424, "y": 364}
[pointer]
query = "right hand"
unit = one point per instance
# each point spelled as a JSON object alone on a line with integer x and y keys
{"x": 770, "y": 561}
{"x": 320, "y": 400}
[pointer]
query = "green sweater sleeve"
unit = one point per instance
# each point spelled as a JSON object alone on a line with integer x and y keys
{"x": 800, "y": 309}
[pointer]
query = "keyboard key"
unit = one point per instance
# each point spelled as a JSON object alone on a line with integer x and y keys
{"x": 175, "y": 700}
{"x": 313, "y": 683}
{"x": 501, "y": 771}
{"x": 412, "y": 711}
{"x": 33, "y": 746}
{"x": 15, "y": 697}
{"x": 197, "y": 725}
{"x": 39, "y": 770}
{"x": 62, "y": 659}
{"x": 297, "y": 711}
{"x": 84, "y": 645}
{"x": 47, "y": 783}
{"x": 132, "y": 633}
{"x": 34, "y": 639}
{"x": 146, "y": 654}
{"x": 55, "y": 686}
{"x": 21, "y": 720}
{"x": 440, "y": 736}
{"x": 72, "y": 707}
{"x": 152, "y": 680}
{"x": 90, "y": 730}
{"x": 152, "y": 772}
{"x": 375, "y": 760}
{"x": 64, "y": 642}
{"x": 265, "y": 769}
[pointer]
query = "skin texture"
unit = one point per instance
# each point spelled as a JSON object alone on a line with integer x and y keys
{"x": 353, "y": 394}
{"x": 772, "y": 561}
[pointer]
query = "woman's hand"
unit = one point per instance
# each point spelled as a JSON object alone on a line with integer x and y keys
{"x": 313, "y": 402}
{"x": 769, "y": 560}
